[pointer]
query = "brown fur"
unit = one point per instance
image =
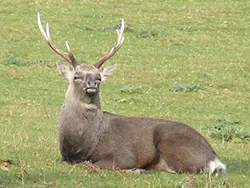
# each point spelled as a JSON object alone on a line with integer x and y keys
{"x": 112, "y": 141}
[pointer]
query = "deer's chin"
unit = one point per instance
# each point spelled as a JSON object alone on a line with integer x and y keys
{"x": 91, "y": 91}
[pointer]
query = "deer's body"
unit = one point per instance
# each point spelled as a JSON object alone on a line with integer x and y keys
{"x": 112, "y": 141}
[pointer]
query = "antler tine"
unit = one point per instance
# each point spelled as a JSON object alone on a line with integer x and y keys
{"x": 46, "y": 34}
{"x": 120, "y": 40}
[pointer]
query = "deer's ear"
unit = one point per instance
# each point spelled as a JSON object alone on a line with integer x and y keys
{"x": 107, "y": 72}
{"x": 63, "y": 69}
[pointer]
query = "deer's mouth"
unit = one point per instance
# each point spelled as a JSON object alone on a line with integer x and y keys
{"x": 91, "y": 90}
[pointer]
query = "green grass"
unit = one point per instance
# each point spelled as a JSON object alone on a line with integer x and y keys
{"x": 201, "y": 49}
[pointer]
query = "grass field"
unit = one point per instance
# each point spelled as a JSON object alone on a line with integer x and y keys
{"x": 187, "y": 61}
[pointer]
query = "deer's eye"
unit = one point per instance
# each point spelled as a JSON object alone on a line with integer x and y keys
{"x": 77, "y": 78}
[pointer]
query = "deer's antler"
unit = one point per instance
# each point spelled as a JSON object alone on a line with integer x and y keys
{"x": 46, "y": 34}
{"x": 120, "y": 39}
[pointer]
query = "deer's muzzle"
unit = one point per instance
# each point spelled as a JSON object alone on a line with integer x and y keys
{"x": 91, "y": 90}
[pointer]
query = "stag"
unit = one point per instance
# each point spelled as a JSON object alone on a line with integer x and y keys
{"x": 109, "y": 141}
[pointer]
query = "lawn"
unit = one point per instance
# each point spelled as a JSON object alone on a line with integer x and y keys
{"x": 186, "y": 61}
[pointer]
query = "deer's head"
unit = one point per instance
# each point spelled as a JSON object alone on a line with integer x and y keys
{"x": 84, "y": 80}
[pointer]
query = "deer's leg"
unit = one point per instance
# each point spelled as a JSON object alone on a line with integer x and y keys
{"x": 174, "y": 156}
{"x": 181, "y": 149}
{"x": 160, "y": 165}
{"x": 121, "y": 159}
{"x": 104, "y": 164}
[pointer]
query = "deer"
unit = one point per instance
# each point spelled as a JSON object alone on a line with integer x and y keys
{"x": 110, "y": 141}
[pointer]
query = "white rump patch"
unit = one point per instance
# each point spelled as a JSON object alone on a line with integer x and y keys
{"x": 216, "y": 167}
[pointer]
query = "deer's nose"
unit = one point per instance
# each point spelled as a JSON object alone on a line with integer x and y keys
{"x": 91, "y": 87}
{"x": 91, "y": 83}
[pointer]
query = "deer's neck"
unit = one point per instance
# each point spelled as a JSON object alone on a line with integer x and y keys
{"x": 96, "y": 101}
{"x": 81, "y": 128}
{"x": 86, "y": 100}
